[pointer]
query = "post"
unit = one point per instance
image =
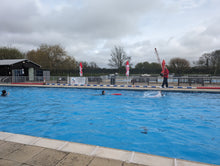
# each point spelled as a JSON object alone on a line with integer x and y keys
{"x": 127, "y": 71}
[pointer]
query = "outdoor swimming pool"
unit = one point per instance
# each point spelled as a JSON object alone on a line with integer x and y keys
{"x": 179, "y": 125}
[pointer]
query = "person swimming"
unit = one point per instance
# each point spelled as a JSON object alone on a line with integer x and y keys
{"x": 150, "y": 95}
{"x": 159, "y": 94}
{"x": 4, "y": 93}
{"x": 103, "y": 92}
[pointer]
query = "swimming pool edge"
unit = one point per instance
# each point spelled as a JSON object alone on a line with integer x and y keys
{"x": 97, "y": 151}
{"x": 136, "y": 88}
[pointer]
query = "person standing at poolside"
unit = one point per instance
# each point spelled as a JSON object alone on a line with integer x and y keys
{"x": 165, "y": 77}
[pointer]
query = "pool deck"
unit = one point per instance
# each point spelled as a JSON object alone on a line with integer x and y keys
{"x": 24, "y": 150}
{"x": 125, "y": 87}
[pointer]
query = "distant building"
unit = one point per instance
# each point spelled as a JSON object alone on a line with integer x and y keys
{"x": 20, "y": 70}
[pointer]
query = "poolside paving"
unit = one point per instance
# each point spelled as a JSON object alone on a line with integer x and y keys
{"x": 16, "y": 154}
{"x": 23, "y": 150}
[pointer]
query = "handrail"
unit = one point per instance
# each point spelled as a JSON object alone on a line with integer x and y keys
{"x": 119, "y": 80}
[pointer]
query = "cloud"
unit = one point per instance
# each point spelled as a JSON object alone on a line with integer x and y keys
{"x": 98, "y": 19}
{"x": 89, "y": 29}
{"x": 13, "y": 18}
{"x": 204, "y": 38}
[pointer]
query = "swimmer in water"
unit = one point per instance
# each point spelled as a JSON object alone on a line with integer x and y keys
{"x": 4, "y": 93}
{"x": 103, "y": 92}
{"x": 159, "y": 94}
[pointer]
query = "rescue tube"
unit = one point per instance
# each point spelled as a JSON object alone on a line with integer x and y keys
{"x": 116, "y": 93}
{"x": 208, "y": 87}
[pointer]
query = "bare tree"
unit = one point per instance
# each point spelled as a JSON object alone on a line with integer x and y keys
{"x": 118, "y": 57}
{"x": 210, "y": 61}
{"x": 179, "y": 65}
{"x": 204, "y": 60}
{"x": 52, "y": 57}
{"x": 93, "y": 65}
{"x": 215, "y": 61}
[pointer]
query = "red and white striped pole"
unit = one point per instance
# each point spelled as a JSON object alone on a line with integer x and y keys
{"x": 80, "y": 69}
{"x": 127, "y": 70}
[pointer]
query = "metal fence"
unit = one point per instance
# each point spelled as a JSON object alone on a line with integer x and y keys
{"x": 120, "y": 80}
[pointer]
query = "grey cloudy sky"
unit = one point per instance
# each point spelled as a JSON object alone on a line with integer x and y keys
{"x": 89, "y": 29}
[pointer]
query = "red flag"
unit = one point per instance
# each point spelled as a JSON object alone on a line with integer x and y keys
{"x": 80, "y": 69}
{"x": 163, "y": 65}
{"x": 127, "y": 68}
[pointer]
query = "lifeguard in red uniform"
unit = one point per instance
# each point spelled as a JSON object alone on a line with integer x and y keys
{"x": 165, "y": 77}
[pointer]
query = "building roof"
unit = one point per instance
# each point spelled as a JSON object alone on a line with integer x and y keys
{"x": 8, "y": 62}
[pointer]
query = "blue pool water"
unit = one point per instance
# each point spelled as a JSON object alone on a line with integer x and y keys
{"x": 179, "y": 125}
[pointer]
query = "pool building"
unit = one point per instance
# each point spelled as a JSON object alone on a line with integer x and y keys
{"x": 20, "y": 70}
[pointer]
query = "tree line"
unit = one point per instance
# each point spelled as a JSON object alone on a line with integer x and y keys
{"x": 56, "y": 59}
